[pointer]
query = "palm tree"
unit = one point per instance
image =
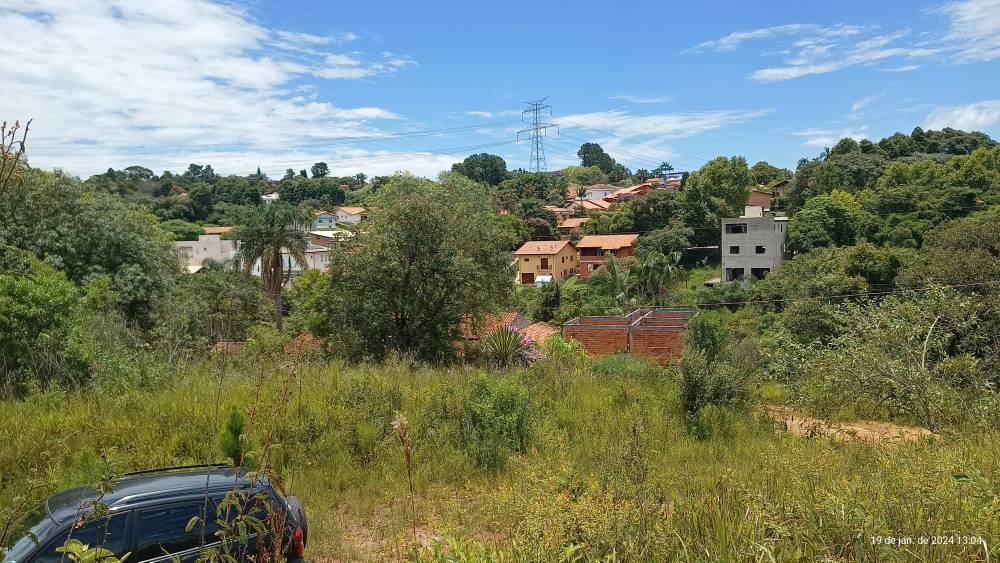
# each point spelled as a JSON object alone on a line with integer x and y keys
{"x": 268, "y": 233}
{"x": 657, "y": 270}
{"x": 615, "y": 282}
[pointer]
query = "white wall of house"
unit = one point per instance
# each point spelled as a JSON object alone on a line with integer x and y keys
{"x": 193, "y": 253}
{"x": 348, "y": 218}
{"x": 599, "y": 191}
{"x": 753, "y": 245}
{"x": 317, "y": 258}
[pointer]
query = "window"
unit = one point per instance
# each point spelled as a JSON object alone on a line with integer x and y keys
{"x": 736, "y": 228}
{"x": 526, "y": 259}
{"x": 760, "y": 250}
{"x": 165, "y": 529}
{"x": 734, "y": 249}
{"x": 109, "y": 534}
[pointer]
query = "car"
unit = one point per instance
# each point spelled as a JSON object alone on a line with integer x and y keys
{"x": 149, "y": 516}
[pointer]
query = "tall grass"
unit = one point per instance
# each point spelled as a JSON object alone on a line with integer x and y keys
{"x": 609, "y": 472}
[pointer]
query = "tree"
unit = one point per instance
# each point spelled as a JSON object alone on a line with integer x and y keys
{"x": 485, "y": 168}
{"x": 182, "y": 230}
{"x": 591, "y": 154}
{"x": 268, "y": 234}
{"x": 361, "y": 177}
{"x": 655, "y": 210}
{"x": 672, "y": 238}
{"x": 90, "y": 236}
{"x": 663, "y": 169}
{"x": 763, "y": 173}
{"x": 430, "y": 255}
{"x": 719, "y": 189}
{"x": 320, "y": 170}
{"x": 656, "y": 272}
{"x": 825, "y": 220}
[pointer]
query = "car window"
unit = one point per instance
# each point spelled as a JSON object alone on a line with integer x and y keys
{"x": 162, "y": 531}
{"x": 108, "y": 534}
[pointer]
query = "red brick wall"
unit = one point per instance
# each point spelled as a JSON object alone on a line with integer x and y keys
{"x": 657, "y": 344}
{"x": 599, "y": 341}
{"x": 604, "y": 322}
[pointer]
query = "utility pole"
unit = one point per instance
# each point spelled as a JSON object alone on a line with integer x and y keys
{"x": 535, "y": 132}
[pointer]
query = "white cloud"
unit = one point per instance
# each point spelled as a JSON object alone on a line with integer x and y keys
{"x": 974, "y": 29}
{"x": 162, "y": 84}
{"x": 972, "y": 117}
{"x": 641, "y": 99}
{"x": 733, "y": 40}
{"x": 825, "y": 138}
{"x": 972, "y": 34}
{"x": 493, "y": 114}
{"x": 662, "y": 126}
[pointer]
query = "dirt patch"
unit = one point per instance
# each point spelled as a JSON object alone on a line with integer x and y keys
{"x": 859, "y": 430}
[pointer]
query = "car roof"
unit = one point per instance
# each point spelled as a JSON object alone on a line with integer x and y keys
{"x": 140, "y": 488}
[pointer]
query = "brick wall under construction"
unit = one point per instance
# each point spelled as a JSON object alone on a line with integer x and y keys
{"x": 649, "y": 333}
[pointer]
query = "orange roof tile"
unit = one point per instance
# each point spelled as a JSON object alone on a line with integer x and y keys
{"x": 573, "y": 222}
{"x": 352, "y": 210}
{"x": 489, "y": 325}
{"x": 596, "y": 205}
{"x": 540, "y": 332}
{"x": 542, "y": 247}
{"x": 217, "y": 230}
{"x": 607, "y": 242}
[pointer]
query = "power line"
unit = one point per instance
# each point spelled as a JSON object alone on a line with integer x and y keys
{"x": 536, "y": 131}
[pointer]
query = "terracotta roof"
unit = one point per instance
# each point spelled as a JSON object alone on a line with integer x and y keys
{"x": 595, "y": 204}
{"x": 353, "y": 210}
{"x": 217, "y": 230}
{"x": 305, "y": 342}
{"x": 543, "y": 247}
{"x": 229, "y": 347}
{"x": 489, "y": 325}
{"x": 556, "y": 209}
{"x": 321, "y": 212}
{"x": 607, "y": 242}
{"x": 540, "y": 332}
{"x": 573, "y": 222}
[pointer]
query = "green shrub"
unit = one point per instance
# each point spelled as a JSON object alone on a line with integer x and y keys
{"x": 496, "y": 421}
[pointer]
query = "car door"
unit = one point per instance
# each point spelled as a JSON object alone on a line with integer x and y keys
{"x": 161, "y": 532}
{"x": 110, "y": 534}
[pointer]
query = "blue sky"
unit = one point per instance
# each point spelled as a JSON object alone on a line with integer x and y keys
{"x": 379, "y": 87}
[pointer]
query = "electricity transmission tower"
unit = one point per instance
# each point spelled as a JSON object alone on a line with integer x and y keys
{"x": 535, "y": 132}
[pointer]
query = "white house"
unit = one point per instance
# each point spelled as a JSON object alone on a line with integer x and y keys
{"x": 599, "y": 191}
{"x": 752, "y": 244}
{"x": 193, "y": 253}
{"x": 324, "y": 220}
{"x": 317, "y": 258}
{"x": 270, "y": 198}
{"x": 351, "y": 215}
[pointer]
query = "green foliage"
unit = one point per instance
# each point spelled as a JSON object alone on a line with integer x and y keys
{"x": 497, "y": 421}
{"x": 719, "y": 189}
{"x": 430, "y": 254}
{"x": 182, "y": 230}
{"x": 90, "y": 236}
{"x": 591, "y": 154}
{"x": 823, "y": 221}
{"x": 485, "y": 168}
{"x": 709, "y": 334}
{"x": 234, "y": 440}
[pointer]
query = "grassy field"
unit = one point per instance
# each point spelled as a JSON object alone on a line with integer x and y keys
{"x": 570, "y": 460}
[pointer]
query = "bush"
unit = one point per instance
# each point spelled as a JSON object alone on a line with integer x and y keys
{"x": 709, "y": 333}
{"x": 496, "y": 421}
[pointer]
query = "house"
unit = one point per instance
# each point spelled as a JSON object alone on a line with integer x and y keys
{"x": 546, "y": 258}
{"x": 207, "y": 247}
{"x": 316, "y": 258}
{"x": 572, "y": 225}
{"x": 217, "y": 230}
{"x": 598, "y": 205}
{"x": 561, "y": 213}
{"x": 351, "y": 215}
{"x": 752, "y": 245}
{"x": 760, "y": 198}
{"x": 594, "y": 250}
{"x": 598, "y": 191}
{"x": 629, "y": 193}
{"x": 270, "y": 198}
{"x": 324, "y": 220}
{"x": 328, "y": 237}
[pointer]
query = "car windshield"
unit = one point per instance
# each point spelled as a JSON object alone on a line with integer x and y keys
{"x": 22, "y": 543}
